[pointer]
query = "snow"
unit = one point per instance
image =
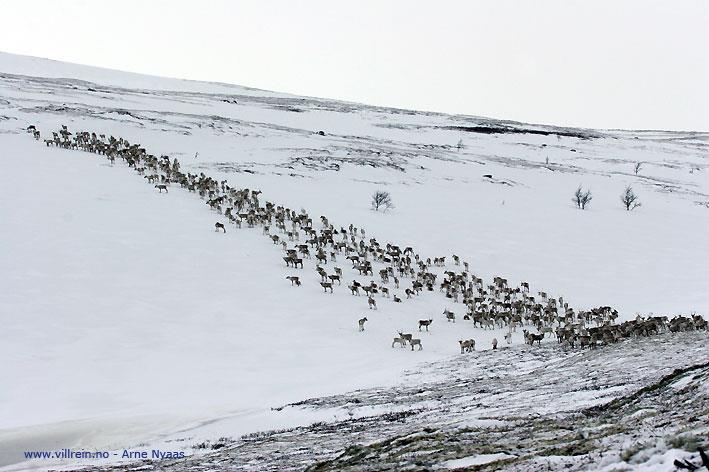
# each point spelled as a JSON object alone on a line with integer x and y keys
{"x": 127, "y": 319}
{"x": 474, "y": 460}
{"x": 40, "y": 67}
{"x": 655, "y": 458}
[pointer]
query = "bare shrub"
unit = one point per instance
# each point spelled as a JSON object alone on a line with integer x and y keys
{"x": 629, "y": 199}
{"x": 382, "y": 200}
{"x": 581, "y": 198}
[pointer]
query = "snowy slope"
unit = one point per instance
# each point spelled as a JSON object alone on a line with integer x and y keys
{"x": 126, "y": 317}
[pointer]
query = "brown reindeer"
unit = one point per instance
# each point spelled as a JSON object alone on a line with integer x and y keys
{"x": 425, "y": 323}
{"x": 218, "y": 226}
{"x": 161, "y": 187}
{"x": 450, "y": 316}
{"x": 361, "y": 323}
{"x": 372, "y": 303}
{"x": 467, "y": 345}
{"x": 406, "y": 336}
{"x": 531, "y": 338}
{"x": 294, "y": 280}
{"x": 322, "y": 272}
{"x": 333, "y": 278}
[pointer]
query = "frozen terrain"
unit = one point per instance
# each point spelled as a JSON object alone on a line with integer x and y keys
{"x": 515, "y": 409}
{"x": 126, "y": 320}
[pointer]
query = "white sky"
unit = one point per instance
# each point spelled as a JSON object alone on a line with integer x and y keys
{"x": 596, "y": 63}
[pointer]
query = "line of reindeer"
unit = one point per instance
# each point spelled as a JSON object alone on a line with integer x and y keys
{"x": 487, "y": 306}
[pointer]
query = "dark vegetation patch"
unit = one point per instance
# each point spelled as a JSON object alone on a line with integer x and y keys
{"x": 514, "y": 130}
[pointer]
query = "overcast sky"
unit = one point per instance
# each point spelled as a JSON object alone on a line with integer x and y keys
{"x": 595, "y": 63}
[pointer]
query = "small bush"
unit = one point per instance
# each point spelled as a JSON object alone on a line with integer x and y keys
{"x": 382, "y": 200}
{"x": 581, "y": 198}
{"x": 629, "y": 199}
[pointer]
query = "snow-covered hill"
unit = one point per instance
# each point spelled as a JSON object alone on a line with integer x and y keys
{"x": 126, "y": 317}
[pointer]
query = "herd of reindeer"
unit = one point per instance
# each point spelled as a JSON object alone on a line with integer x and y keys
{"x": 492, "y": 306}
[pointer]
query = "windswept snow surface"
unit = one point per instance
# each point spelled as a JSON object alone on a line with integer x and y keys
{"x": 473, "y": 460}
{"x": 126, "y": 318}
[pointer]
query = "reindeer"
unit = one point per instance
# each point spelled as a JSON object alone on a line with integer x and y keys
{"x": 326, "y": 285}
{"x": 294, "y": 280}
{"x": 467, "y": 345}
{"x": 322, "y": 273}
{"x": 425, "y": 323}
{"x": 401, "y": 341}
{"x": 333, "y": 278}
{"x": 450, "y": 316}
{"x": 372, "y": 303}
{"x": 531, "y": 338}
{"x": 546, "y": 329}
{"x": 361, "y": 323}
{"x": 218, "y": 226}
{"x": 406, "y": 336}
{"x": 498, "y": 303}
{"x": 508, "y": 337}
{"x": 416, "y": 342}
